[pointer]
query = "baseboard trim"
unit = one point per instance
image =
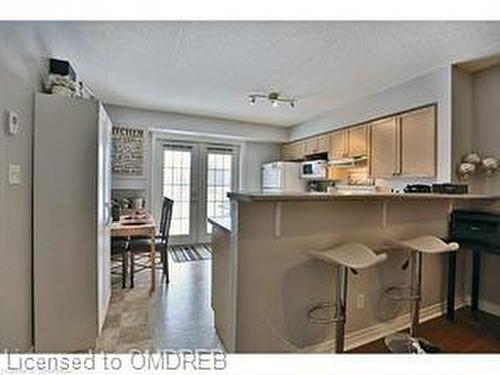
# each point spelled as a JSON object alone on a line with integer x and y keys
{"x": 381, "y": 330}
{"x": 489, "y": 307}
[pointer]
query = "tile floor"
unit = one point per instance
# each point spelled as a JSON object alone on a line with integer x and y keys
{"x": 177, "y": 316}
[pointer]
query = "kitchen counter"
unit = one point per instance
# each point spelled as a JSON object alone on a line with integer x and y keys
{"x": 223, "y": 223}
{"x": 265, "y": 197}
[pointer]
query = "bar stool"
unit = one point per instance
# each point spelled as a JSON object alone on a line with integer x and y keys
{"x": 403, "y": 343}
{"x": 353, "y": 256}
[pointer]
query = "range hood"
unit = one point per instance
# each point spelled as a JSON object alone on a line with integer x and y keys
{"x": 348, "y": 162}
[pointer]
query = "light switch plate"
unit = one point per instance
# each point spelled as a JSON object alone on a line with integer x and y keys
{"x": 14, "y": 174}
{"x": 13, "y": 123}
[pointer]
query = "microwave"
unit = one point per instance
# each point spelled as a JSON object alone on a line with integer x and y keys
{"x": 314, "y": 170}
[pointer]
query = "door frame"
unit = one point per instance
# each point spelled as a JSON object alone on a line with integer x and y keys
{"x": 203, "y": 236}
{"x": 157, "y": 140}
{"x": 193, "y": 194}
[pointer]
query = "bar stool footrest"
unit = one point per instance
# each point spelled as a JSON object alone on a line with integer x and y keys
{"x": 322, "y": 314}
{"x": 401, "y": 293}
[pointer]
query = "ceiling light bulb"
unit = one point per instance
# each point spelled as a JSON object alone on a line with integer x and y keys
{"x": 274, "y": 103}
{"x": 252, "y": 100}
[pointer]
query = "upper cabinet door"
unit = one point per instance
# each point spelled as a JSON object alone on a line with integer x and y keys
{"x": 384, "y": 153}
{"x": 293, "y": 151}
{"x": 311, "y": 146}
{"x": 357, "y": 140}
{"x": 323, "y": 143}
{"x": 287, "y": 151}
{"x": 418, "y": 143}
{"x": 338, "y": 144}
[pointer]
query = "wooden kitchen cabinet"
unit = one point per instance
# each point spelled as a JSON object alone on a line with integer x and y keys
{"x": 323, "y": 143}
{"x": 338, "y": 144}
{"x": 293, "y": 151}
{"x": 349, "y": 142}
{"x": 404, "y": 145}
{"x": 311, "y": 146}
{"x": 357, "y": 140}
{"x": 401, "y": 145}
{"x": 316, "y": 145}
{"x": 418, "y": 143}
{"x": 287, "y": 151}
{"x": 384, "y": 155}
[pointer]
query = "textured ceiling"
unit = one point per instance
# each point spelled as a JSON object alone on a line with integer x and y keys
{"x": 209, "y": 68}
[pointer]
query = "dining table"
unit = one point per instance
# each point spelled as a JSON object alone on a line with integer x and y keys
{"x": 142, "y": 226}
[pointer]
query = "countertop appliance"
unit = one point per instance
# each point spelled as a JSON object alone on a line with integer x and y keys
{"x": 417, "y": 188}
{"x": 282, "y": 176}
{"x": 450, "y": 188}
{"x": 446, "y": 188}
{"x": 314, "y": 170}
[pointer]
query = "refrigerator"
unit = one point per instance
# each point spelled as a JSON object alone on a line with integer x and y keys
{"x": 282, "y": 177}
{"x": 71, "y": 222}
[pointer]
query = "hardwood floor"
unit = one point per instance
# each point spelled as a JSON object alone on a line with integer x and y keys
{"x": 464, "y": 335}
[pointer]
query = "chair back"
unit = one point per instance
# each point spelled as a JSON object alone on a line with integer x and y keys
{"x": 166, "y": 219}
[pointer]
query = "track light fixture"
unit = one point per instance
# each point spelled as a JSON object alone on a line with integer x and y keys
{"x": 274, "y": 98}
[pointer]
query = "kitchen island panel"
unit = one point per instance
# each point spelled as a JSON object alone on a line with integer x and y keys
{"x": 275, "y": 282}
{"x": 278, "y": 282}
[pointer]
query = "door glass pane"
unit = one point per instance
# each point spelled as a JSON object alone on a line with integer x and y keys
{"x": 177, "y": 186}
{"x": 218, "y": 185}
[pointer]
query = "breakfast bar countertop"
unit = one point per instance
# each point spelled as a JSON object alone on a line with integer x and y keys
{"x": 224, "y": 223}
{"x": 292, "y": 196}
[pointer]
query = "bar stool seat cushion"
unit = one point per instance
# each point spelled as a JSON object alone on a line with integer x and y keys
{"x": 352, "y": 255}
{"x": 428, "y": 245}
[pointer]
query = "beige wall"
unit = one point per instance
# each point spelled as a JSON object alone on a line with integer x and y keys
{"x": 20, "y": 65}
{"x": 486, "y": 140}
{"x": 476, "y": 127}
{"x": 461, "y": 117}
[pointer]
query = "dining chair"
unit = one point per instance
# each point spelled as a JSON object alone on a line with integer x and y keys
{"x": 119, "y": 249}
{"x": 142, "y": 246}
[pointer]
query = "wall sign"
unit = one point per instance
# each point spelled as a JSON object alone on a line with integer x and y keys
{"x": 128, "y": 151}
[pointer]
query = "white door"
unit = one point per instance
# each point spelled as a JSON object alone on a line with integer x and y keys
{"x": 220, "y": 165}
{"x": 197, "y": 177}
{"x": 179, "y": 184}
{"x": 104, "y": 202}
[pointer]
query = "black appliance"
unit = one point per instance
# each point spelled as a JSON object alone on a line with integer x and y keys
{"x": 450, "y": 188}
{"x": 61, "y": 67}
{"x": 417, "y": 188}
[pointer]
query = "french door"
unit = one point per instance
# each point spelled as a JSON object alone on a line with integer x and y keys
{"x": 197, "y": 176}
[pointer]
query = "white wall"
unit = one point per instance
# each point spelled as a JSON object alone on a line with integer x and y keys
{"x": 255, "y": 154}
{"x": 434, "y": 87}
{"x": 258, "y": 143}
{"x": 197, "y": 125}
{"x": 20, "y": 65}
